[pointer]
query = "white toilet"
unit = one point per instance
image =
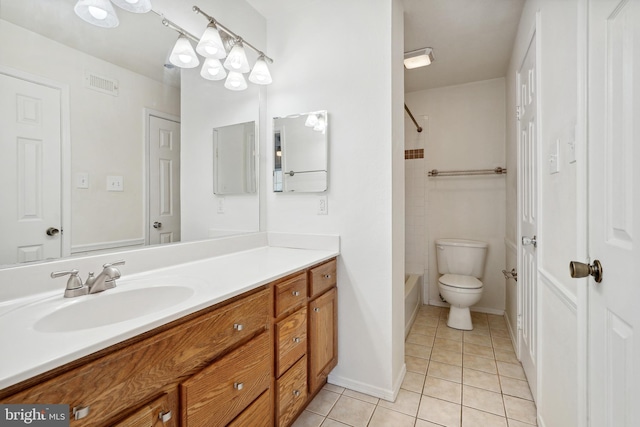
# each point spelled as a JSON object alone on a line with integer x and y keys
{"x": 461, "y": 263}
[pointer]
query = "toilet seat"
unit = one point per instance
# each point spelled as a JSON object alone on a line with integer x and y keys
{"x": 460, "y": 281}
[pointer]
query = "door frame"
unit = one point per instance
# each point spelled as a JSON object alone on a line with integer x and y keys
{"x": 65, "y": 149}
{"x": 534, "y": 32}
{"x": 147, "y": 113}
{"x": 582, "y": 210}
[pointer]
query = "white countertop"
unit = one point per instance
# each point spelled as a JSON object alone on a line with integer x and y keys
{"x": 27, "y": 352}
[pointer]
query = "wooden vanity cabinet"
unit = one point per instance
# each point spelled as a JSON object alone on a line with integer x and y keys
{"x": 161, "y": 412}
{"x": 323, "y": 324}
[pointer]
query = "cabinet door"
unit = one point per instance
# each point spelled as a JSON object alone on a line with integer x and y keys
{"x": 323, "y": 338}
{"x": 162, "y": 412}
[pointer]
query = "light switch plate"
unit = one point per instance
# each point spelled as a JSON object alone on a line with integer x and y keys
{"x": 82, "y": 180}
{"x": 115, "y": 183}
{"x": 554, "y": 164}
{"x": 572, "y": 151}
{"x": 323, "y": 207}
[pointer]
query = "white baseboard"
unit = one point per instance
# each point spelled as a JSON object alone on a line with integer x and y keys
{"x": 386, "y": 394}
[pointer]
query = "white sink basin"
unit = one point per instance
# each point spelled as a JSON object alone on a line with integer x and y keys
{"x": 92, "y": 311}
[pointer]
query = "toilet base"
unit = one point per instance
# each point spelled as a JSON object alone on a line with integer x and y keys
{"x": 460, "y": 318}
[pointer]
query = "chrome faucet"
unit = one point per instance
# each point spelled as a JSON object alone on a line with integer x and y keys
{"x": 105, "y": 280}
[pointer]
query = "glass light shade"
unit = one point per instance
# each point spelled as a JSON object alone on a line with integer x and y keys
{"x": 183, "y": 55}
{"x": 97, "y": 12}
{"x": 311, "y": 121}
{"x": 260, "y": 74}
{"x": 235, "y": 81}
{"x": 212, "y": 69}
{"x": 210, "y": 44}
{"x": 237, "y": 59}
{"x": 135, "y": 6}
{"x": 321, "y": 125}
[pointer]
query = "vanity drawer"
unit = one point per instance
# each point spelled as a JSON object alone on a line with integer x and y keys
{"x": 292, "y": 393}
{"x": 322, "y": 278}
{"x": 258, "y": 414}
{"x": 162, "y": 412}
{"x": 220, "y": 392}
{"x": 290, "y": 294}
{"x": 291, "y": 340}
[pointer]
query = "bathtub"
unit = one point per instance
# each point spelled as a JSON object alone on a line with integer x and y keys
{"x": 412, "y": 299}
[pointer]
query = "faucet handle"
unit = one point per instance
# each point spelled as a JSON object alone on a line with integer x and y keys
{"x": 111, "y": 264}
{"x": 74, "y": 284}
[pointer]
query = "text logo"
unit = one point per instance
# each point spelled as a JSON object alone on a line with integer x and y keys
{"x": 34, "y": 415}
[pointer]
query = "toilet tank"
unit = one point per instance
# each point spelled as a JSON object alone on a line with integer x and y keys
{"x": 458, "y": 256}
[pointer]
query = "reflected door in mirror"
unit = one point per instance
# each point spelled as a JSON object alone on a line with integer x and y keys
{"x": 30, "y": 133}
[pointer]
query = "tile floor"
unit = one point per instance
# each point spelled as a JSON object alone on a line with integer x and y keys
{"x": 454, "y": 378}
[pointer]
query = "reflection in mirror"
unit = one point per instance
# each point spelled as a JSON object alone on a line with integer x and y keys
{"x": 300, "y": 150}
{"x": 99, "y": 90}
{"x": 234, "y": 170}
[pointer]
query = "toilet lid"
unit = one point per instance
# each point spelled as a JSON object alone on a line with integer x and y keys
{"x": 460, "y": 281}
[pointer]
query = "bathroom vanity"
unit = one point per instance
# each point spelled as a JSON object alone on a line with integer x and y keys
{"x": 253, "y": 359}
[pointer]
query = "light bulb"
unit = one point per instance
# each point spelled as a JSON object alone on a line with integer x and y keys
{"x": 237, "y": 59}
{"x": 212, "y": 69}
{"x": 235, "y": 81}
{"x": 183, "y": 55}
{"x": 97, "y": 12}
{"x": 260, "y": 73}
{"x": 210, "y": 44}
{"x": 311, "y": 121}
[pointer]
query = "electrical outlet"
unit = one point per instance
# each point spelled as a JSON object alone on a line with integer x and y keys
{"x": 554, "y": 163}
{"x": 220, "y": 205}
{"x": 323, "y": 207}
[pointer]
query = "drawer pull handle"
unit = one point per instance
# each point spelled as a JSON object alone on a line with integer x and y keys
{"x": 317, "y": 309}
{"x": 238, "y": 326}
{"x": 296, "y": 340}
{"x": 327, "y": 276}
{"x": 165, "y": 416}
{"x": 295, "y": 293}
{"x": 296, "y": 393}
{"x": 238, "y": 386}
{"x": 80, "y": 412}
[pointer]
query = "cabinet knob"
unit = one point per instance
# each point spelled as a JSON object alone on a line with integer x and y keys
{"x": 165, "y": 416}
{"x": 295, "y": 293}
{"x": 317, "y": 309}
{"x": 296, "y": 340}
{"x": 327, "y": 276}
{"x": 296, "y": 393}
{"x": 238, "y": 386}
{"x": 238, "y": 326}
{"x": 80, "y": 412}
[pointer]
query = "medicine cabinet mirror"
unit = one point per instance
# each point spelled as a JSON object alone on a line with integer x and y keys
{"x": 234, "y": 149}
{"x": 301, "y": 152}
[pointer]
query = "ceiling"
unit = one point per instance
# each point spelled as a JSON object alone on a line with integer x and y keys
{"x": 471, "y": 39}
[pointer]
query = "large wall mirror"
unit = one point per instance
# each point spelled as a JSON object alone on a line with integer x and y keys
{"x": 301, "y": 150}
{"x": 108, "y": 96}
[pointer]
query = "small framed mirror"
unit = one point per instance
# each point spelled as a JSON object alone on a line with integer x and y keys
{"x": 234, "y": 170}
{"x": 301, "y": 152}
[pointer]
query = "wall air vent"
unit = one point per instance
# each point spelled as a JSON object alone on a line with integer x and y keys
{"x": 101, "y": 83}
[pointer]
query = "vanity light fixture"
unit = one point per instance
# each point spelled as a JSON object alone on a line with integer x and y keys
{"x": 418, "y": 58}
{"x": 235, "y": 81}
{"x": 311, "y": 121}
{"x": 210, "y": 44}
{"x": 183, "y": 54}
{"x": 97, "y": 12}
{"x": 135, "y": 6}
{"x": 212, "y": 69}
{"x": 237, "y": 59}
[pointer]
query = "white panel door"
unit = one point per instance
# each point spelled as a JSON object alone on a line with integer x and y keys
{"x": 528, "y": 179}
{"x": 614, "y": 212}
{"x": 164, "y": 180}
{"x": 30, "y": 134}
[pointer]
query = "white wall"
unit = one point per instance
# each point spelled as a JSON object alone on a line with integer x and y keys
{"x": 316, "y": 51}
{"x": 106, "y": 132}
{"x": 206, "y": 105}
{"x": 464, "y": 129}
{"x": 557, "y": 38}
